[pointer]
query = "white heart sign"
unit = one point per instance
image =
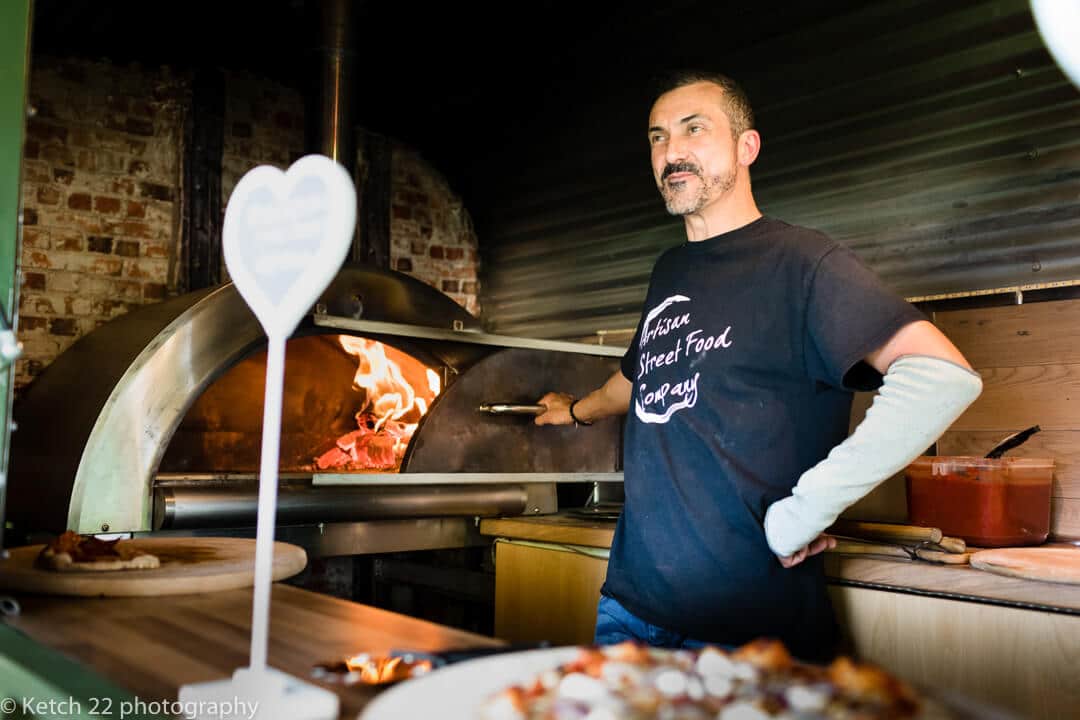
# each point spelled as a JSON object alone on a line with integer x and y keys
{"x": 286, "y": 235}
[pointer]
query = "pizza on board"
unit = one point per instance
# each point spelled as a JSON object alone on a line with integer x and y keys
{"x": 759, "y": 681}
{"x": 72, "y": 551}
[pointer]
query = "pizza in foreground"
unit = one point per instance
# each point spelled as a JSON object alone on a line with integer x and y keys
{"x": 73, "y": 552}
{"x": 755, "y": 682}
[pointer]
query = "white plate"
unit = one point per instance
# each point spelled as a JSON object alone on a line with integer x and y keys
{"x": 457, "y": 691}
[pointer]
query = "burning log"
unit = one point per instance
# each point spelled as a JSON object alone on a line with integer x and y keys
{"x": 382, "y": 434}
{"x": 368, "y": 670}
{"x": 367, "y": 448}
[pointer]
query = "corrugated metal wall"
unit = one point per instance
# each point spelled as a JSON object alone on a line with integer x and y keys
{"x": 937, "y": 139}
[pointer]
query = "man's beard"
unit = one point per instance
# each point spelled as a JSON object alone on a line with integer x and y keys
{"x": 681, "y": 202}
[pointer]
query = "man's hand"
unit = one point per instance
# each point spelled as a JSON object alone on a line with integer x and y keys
{"x": 820, "y": 544}
{"x": 612, "y": 398}
{"x": 558, "y": 409}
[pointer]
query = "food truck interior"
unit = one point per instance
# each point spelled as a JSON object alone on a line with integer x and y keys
{"x": 507, "y": 223}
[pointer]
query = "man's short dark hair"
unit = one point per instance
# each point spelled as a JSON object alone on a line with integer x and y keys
{"x": 737, "y": 104}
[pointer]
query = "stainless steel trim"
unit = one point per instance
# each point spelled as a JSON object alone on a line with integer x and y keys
{"x": 387, "y": 536}
{"x": 359, "y": 538}
{"x": 112, "y": 485}
{"x": 475, "y": 338}
{"x": 178, "y": 479}
{"x": 541, "y": 499}
{"x": 406, "y": 478}
{"x": 164, "y": 508}
{"x": 194, "y": 507}
{"x": 464, "y": 478}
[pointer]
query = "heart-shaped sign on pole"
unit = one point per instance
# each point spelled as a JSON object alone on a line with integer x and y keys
{"x": 286, "y": 235}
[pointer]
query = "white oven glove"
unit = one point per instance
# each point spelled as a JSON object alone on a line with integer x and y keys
{"x": 920, "y": 398}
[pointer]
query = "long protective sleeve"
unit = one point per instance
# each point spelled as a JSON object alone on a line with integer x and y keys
{"x": 920, "y": 398}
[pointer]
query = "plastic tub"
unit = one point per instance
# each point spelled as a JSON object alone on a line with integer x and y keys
{"x": 988, "y": 503}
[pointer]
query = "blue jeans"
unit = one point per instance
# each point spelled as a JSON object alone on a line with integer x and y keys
{"x": 616, "y": 624}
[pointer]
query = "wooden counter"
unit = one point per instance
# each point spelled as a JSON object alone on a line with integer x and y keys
{"x": 958, "y": 583}
{"x": 952, "y": 582}
{"x": 152, "y": 646}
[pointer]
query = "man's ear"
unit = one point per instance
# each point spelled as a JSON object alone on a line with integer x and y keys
{"x": 748, "y": 145}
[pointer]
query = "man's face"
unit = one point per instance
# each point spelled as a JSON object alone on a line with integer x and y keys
{"x": 694, "y": 157}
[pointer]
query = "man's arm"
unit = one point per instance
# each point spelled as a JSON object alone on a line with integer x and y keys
{"x": 611, "y": 398}
{"x": 928, "y": 385}
{"x": 917, "y": 338}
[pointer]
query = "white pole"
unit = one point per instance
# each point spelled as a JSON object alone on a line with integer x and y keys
{"x": 268, "y": 486}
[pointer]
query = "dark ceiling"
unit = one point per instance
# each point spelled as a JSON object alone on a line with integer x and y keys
{"x": 486, "y": 92}
{"x": 934, "y": 138}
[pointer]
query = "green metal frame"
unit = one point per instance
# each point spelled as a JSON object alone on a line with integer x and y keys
{"x": 33, "y": 677}
{"x": 14, "y": 68}
{"x": 41, "y": 680}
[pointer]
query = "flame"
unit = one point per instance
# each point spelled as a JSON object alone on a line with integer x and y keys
{"x": 389, "y": 398}
{"x": 376, "y": 671}
{"x": 381, "y": 378}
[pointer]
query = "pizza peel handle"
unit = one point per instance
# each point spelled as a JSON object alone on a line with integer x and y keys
{"x": 887, "y": 532}
{"x": 511, "y": 409}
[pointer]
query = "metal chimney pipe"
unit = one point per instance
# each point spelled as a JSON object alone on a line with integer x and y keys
{"x": 330, "y": 129}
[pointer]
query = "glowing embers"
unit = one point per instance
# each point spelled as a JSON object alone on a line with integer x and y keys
{"x": 368, "y": 670}
{"x": 391, "y": 410}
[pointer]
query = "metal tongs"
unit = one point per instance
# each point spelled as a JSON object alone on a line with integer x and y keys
{"x": 511, "y": 409}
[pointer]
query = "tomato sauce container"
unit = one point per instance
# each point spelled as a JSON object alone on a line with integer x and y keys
{"x": 987, "y": 502}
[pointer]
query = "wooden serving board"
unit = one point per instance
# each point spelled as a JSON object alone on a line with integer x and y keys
{"x": 188, "y": 565}
{"x": 1048, "y": 564}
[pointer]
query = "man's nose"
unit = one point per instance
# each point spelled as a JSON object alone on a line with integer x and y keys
{"x": 676, "y": 149}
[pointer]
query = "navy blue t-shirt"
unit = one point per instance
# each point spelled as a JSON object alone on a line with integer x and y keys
{"x": 743, "y": 367}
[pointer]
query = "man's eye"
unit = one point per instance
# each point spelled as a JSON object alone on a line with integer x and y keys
{"x": 656, "y": 139}
{"x": 696, "y": 129}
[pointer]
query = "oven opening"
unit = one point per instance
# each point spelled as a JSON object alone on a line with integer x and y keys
{"x": 351, "y": 404}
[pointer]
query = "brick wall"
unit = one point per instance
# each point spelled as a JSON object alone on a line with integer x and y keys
{"x": 101, "y": 196}
{"x": 264, "y": 125}
{"x": 98, "y": 190}
{"x": 431, "y": 234}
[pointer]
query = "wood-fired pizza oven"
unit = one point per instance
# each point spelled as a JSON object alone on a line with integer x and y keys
{"x": 152, "y": 423}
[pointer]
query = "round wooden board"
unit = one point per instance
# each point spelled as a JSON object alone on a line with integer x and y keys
{"x": 188, "y": 565}
{"x": 1048, "y": 564}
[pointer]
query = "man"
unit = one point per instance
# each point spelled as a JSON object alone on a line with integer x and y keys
{"x": 754, "y": 335}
